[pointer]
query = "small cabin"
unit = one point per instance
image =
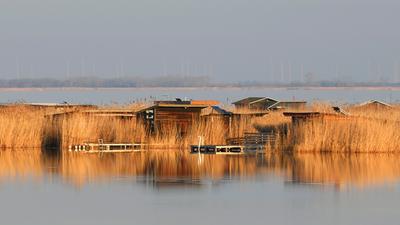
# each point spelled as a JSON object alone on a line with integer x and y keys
{"x": 172, "y": 114}
{"x": 265, "y": 103}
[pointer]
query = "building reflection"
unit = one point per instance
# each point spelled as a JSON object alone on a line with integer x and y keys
{"x": 174, "y": 169}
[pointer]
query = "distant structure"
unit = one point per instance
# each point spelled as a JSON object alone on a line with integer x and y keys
{"x": 265, "y": 103}
{"x": 374, "y": 105}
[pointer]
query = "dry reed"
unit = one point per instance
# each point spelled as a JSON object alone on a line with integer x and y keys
{"x": 21, "y": 127}
{"x": 364, "y": 130}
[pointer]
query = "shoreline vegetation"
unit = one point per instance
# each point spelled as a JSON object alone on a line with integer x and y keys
{"x": 365, "y": 130}
{"x": 180, "y": 81}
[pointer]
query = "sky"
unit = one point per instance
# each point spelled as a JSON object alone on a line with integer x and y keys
{"x": 227, "y": 40}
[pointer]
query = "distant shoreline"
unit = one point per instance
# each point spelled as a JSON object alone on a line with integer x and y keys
{"x": 30, "y": 89}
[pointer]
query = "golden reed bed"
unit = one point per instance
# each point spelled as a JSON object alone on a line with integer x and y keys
{"x": 30, "y": 127}
{"x": 366, "y": 131}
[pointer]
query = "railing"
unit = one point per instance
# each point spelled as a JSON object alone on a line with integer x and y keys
{"x": 252, "y": 139}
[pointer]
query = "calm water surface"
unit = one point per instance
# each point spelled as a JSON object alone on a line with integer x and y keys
{"x": 170, "y": 187}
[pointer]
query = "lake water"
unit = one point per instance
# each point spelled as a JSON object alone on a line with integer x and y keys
{"x": 225, "y": 95}
{"x": 170, "y": 187}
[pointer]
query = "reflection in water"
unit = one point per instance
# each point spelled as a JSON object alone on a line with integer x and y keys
{"x": 173, "y": 169}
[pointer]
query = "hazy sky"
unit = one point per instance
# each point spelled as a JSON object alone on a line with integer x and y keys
{"x": 232, "y": 39}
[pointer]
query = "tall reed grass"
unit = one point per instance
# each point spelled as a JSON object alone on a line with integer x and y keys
{"x": 21, "y": 127}
{"x": 32, "y": 127}
{"x": 363, "y": 131}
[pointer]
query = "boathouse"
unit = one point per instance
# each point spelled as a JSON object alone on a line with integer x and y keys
{"x": 173, "y": 114}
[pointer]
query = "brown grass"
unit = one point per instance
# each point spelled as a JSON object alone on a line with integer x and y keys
{"x": 365, "y": 130}
{"x": 21, "y": 127}
{"x": 30, "y": 127}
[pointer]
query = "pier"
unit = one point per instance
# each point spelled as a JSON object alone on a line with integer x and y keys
{"x": 106, "y": 147}
{"x": 217, "y": 149}
{"x": 249, "y": 143}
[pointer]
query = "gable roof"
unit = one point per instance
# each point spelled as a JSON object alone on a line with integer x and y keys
{"x": 264, "y": 99}
{"x": 172, "y": 105}
{"x": 247, "y": 100}
{"x": 252, "y": 100}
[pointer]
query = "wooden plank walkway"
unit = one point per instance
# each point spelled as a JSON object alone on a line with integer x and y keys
{"x": 252, "y": 139}
{"x": 106, "y": 147}
{"x": 249, "y": 143}
{"x": 225, "y": 149}
{"x": 217, "y": 149}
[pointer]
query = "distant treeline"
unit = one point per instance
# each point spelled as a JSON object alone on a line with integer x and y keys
{"x": 92, "y": 82}
{"x": 168, "y": 81}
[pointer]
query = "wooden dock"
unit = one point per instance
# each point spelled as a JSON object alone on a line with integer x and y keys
{"x": 217, "y": 149}
{"x": 249, "y": 143}
{"x": 106, "y": 147}
{"x": 252, "y": 139}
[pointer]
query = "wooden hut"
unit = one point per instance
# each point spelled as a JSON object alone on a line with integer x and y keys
{"x": 177, "y": 114}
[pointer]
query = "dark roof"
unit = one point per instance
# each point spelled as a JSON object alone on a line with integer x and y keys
{"x": 221, "y": 110}
{"x": 247, "y": 100}
{"x": 303, "y": 114}
{"x": 293, "y": 101}
{"x": 263, "y": 99}
{"x": 172, "y": 102}
{"x": 252, "y": 100}
{"x": 315, "y": 114}
{"x": 162, "y": 105}
{"x": 215, "y": 110}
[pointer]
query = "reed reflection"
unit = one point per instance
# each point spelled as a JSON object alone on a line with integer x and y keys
{"x": 178, "y": 169}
